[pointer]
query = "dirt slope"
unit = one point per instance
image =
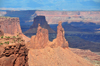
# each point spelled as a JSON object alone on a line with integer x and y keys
{"x": 55, "y": 57}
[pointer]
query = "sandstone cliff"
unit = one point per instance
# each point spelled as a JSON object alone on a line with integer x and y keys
{"x": 43, "y": 23}
{"x": 53, "y": 17}
{"x": 10, "y": 25}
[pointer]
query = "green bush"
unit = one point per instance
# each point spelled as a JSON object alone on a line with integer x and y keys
{"x": 7, "y": 37}
{"x": 14, "y": 37}
{"x": 1, "y": 36}
{"x": 1, "y": 43}
{"x": 7, "y": 42}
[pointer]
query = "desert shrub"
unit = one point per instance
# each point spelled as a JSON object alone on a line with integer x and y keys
{"x": 1, "y": 36}
{"x": 7, "y": 42}
{"x": 7, "y": 37}
{"x": 14, "y": 40}
{"x": 1, "y": 43}
{"x": 14, "y": 37}
{"x": 17, "y": 35}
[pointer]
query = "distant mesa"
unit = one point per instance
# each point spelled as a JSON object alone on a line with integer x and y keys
{"x": 43, "y": 23}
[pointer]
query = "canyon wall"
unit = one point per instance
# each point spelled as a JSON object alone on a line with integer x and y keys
{"x": 10, "y": 25}
{"x": 53, "y": 17}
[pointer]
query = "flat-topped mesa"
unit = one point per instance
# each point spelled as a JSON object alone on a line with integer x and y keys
{"x": 43, "y": 23}
{"x": 41, "y": 39}
{"x": 60, "y": 39}
{"x": 10, "y": 25}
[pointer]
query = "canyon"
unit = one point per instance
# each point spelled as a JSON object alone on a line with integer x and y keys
{"x": 70, "y": 16}
{"x": 18, "y": 50}
{"x": 53, "y": 17}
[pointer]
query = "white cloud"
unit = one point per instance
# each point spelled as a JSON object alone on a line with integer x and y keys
{"x": 12, "y": 9}
{"x": 96, "y": 1}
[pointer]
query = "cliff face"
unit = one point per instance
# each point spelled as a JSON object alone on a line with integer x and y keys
{"x": 43, "y": 23}
{"x": 53, "y": 17}
{"x": 10, "y": 25}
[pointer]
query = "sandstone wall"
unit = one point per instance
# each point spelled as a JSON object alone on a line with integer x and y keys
{"x": 10, "y": 25}
{"x": 53, "y": 17}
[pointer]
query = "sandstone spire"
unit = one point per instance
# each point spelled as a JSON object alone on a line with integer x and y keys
{"x": 60, "y": 39}
{"x": 41, "y": 39}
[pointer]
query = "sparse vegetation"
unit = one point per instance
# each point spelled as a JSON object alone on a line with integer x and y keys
{"x": 14, "y": 37}
{"x": 7, "y": 37}
{"x": 7, "y": 42}
{"x": 1, "y": 43}
{"x": 1, "y": 36}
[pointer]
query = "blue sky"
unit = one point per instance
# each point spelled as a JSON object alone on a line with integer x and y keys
{"x": 50, "y": 5}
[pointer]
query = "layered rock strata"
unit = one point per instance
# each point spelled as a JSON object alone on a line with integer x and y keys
{"x": 10, "y": 25}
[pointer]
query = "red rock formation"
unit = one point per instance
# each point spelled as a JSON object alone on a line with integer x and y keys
{"x": 13, "y": 55}
{"x": 41, "y": 39}
{"x": 10, "y": 25}
{"x": 42, "y": 21}
{"x": 53, "y": 17}
{"x": 60, "y": 39}
{"x": 86, "y": 53}
{"x": 55, "y": 57}
{"x": 1, "y": 33}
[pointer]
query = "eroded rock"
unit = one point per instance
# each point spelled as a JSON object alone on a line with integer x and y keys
{"x": 41, "y": 39}
{"x": 60, "y": 39}
{"x": 14, "y": 55}
{"x": 10, "y": 25}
